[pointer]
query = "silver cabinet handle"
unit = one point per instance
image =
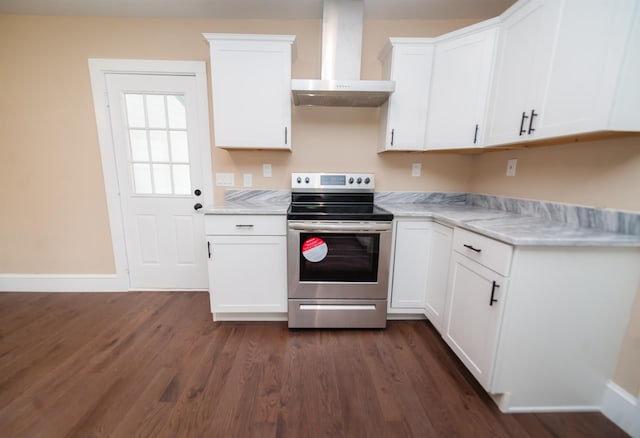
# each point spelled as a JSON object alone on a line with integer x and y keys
{"x": 244, "y": 225}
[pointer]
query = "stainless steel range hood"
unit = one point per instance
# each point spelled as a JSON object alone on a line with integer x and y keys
{"x": 340, "y": 83}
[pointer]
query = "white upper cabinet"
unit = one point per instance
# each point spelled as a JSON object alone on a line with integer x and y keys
{"x": 523, "y": 60}
{"x": 585, "y": 87}
{"x": 460, "y": 86}
{"x": 565, "y": 67}
{"x": 251, "y": 88}
{"x": 403, "y": 119}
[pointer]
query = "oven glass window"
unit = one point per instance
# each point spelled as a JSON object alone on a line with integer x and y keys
{"x": 337, "y": 257}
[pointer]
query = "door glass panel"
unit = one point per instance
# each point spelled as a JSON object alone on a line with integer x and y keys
{"x": 156, "y": 112}
{"x": 176, "y": 111}
{"x": 135, "y": 110}
{"x": 139, "y": 150}
{"x": 142, "y": 178}
{"x": 162, "y": 179}
{"x": 159, "y": 143}
{"x": 181, "y": 179}
{"x": 179, "y": 147}
{"x": 159, "y": 146}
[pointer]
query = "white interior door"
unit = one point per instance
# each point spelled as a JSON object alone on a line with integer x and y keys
{"x": 157, "y": 148}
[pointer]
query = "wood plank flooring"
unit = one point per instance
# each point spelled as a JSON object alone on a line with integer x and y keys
{"x": 153, "y": 364}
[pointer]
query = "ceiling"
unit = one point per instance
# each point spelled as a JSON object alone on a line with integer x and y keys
{"x": 255, "y": 9}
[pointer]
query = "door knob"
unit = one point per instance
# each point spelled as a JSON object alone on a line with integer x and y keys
{"x": 197, "y": 206}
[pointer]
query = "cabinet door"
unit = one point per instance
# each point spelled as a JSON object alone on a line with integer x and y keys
{"x": 438, "y": 270}
{"x": 523, "y": 60}
{"x": 473, "y": 318}
{"x": 248, "y": 274}
{"x": 412, "y": 244}
{"x": 251, "y": 88}
{"x": 459, "y": 91}
{"x": 588, "y": 54}
{"x": 404, "y": 116}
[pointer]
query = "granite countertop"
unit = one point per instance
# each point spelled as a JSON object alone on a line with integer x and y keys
{"x": 512, "y": 228}
{"x": 251, "y": 202}
{"x": 247, "y": 207}
{"x": 513, "y": 221}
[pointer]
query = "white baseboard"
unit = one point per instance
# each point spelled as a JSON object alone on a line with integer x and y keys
{"x": 62, "y": 283}
{"x": 622, "y": 408}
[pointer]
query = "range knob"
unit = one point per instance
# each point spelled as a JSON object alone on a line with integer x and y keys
{"x": 299, "y": 180}
{"x": 306, "y": 180}
{"x": 359, "y": 180}
{"x": 367, "y": 180}
{"x": 351, "y": 180}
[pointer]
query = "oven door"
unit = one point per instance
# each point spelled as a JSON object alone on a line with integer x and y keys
{"x": 338, "y": 260}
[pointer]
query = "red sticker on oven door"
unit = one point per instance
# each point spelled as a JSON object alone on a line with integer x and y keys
{"x": 314, "y": 249}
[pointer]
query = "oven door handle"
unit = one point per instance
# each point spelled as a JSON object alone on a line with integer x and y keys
{"x": 340, "y": 227}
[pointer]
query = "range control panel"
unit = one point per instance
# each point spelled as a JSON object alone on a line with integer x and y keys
{"x": 326, "y": 182}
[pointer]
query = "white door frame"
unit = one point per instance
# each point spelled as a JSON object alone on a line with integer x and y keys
{"x": 98, "y": 69}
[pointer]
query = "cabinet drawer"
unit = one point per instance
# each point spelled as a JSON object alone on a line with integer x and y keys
{"x": 486, "y": 251}
{"x": 246, "y": 225}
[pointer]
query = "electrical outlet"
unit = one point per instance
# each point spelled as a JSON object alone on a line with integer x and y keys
{"x": 225, "y": 179}
{"x": 247, "y": 179}
{"x": 267, "y": 171}
{"x": 416, "y": 169}
{"x": 511, "y": 167}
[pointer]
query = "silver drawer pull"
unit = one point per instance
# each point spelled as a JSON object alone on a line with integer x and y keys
{"x": 327, "y": 227}
{"x": 244, "y": 225}
{"x": 337, "y": 307}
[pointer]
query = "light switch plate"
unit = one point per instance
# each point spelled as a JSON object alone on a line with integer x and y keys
{"x": 511, "y": 167}
{"x": 225, "y": 179}
{"x": 416, "y": 169}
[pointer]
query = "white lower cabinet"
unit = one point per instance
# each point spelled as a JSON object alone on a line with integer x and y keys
{"x": 475, "y": 308}
{"x": 247, "y": 266}
{"x": 539, "y": 327}
{"x": 420, "y": 266}
{"x": 438, "y": 268}
{"x": 412, "y": 246}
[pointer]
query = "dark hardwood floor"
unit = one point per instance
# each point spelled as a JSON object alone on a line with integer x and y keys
{"x": 154, "y": 364}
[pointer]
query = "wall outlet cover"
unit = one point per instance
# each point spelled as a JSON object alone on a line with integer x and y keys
{"x": 416, "y": 169}
{"x": 511, "y": 167}
{"x": 225, "y": 179}
{"x": 247, "y": 179}
{"x": 267, "y": 171}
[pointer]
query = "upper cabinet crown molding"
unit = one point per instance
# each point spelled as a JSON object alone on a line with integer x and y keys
{"x": 251, "y": 88}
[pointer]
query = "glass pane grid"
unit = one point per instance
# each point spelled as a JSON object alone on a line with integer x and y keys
{"x": 158, "y": 145}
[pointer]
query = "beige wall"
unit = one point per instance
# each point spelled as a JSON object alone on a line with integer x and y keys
{"x": 602, "y": 174}
{"x": 53, "y": 214}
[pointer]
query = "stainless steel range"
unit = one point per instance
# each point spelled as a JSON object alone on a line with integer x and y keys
{"x": 338, "y": 249}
